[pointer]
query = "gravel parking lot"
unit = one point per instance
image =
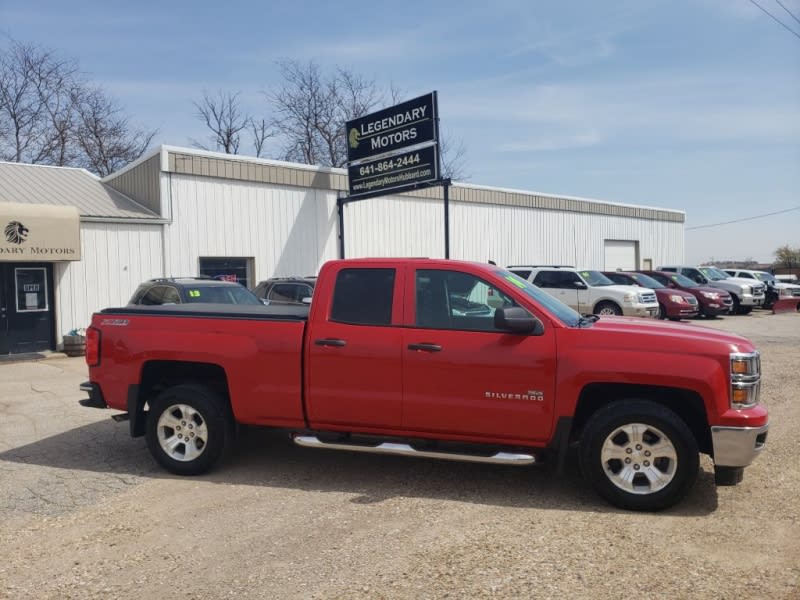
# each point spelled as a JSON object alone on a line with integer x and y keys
{"x": 85, "y": 513}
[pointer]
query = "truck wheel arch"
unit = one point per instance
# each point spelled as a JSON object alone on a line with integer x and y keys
{"x": 158, "y": 375}
{"x": 687, "y": 404}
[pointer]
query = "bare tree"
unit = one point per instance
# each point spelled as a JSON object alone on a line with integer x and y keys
{"x": 49, "y": 114}
{"x": 451, "y": 155}
{"x": 104, "y": 135}
{"x": 311, "y": 110}
{"x": 34, "y": 104}
{"x": 787, "y": 256}
{"x": 223, "y": 116}
{"x": 261, "y": 132}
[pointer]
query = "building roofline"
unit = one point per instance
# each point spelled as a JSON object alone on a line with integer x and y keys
{"x": 561, "y": 197}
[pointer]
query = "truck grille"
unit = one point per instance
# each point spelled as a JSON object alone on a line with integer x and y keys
{"x": 647, "y": 298}
{"x": 758, "y": 290}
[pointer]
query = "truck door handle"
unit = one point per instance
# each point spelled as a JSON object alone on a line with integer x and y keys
{"x": 330, "y": 342}
{"x": 425, "y": 347}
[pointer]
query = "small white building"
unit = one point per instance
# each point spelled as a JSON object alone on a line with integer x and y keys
{"x": 180, "y": 211}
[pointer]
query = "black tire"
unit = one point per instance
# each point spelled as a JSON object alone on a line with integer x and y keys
{"x": 662, "y": 312}
{"x": 201, "y": 415}
{"x": 745, "y": 310}
{"x": 607, "y": 308}
{"x": 659, "y": 481}
{"x": 735, "y": 306}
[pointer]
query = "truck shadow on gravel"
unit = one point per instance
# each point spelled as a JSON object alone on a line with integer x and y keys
{"x": 263, "y": 457}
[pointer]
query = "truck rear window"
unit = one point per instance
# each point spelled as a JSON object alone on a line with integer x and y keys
{"x": 363, "y": 296}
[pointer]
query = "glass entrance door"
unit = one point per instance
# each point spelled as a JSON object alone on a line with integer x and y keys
{"x": 26, "y": 308}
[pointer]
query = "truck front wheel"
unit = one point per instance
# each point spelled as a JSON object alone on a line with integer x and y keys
{"x": 188, "y": 429}
{"x": 639, "y": 455}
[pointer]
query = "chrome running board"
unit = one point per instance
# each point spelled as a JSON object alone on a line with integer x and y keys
{"x": 500, "y": 458}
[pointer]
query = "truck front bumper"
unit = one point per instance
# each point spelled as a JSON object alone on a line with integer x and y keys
{"x": 737, "y": 446}
{"x": 640, "y": 310}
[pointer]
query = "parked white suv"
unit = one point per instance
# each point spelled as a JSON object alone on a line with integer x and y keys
{"x": 590, "y": 291}
{"x": 745, "y": 293}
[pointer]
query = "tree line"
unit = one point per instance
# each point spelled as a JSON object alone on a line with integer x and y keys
{"x": 50, "y": 113}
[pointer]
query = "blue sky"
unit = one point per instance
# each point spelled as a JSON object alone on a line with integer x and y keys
{"x": 686, "y": 104}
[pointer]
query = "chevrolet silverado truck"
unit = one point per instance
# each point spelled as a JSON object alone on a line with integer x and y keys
{"x": 387, "y": 360}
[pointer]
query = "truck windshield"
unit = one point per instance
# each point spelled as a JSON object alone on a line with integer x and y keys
{"x": 713, "y": 274}
{"x": 647, "y": 281}
{"x": 595, "y": 278}
{"x": 765, "y": 277}
{"x": 682, "y": 280}
{"x": 560, "y": 310}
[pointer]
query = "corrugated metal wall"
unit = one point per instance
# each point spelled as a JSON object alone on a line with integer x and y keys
{"x": 287, "y": 230}
{"x": 115, "y": 258}
{"x": 140, "y": 183}
{"x": 292, "y": 231}
{"x": 506, "y": 234}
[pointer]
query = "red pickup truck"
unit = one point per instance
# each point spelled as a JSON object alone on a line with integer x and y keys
{"x": 443, "y": 359}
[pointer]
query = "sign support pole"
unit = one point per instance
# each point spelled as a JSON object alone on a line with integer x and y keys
{"x": 446, "y": 186}
{"x": 340, "y": 208}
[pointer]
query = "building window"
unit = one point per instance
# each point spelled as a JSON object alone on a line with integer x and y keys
{"x": 239, "y": 270}
{"x": 31, "y": 289}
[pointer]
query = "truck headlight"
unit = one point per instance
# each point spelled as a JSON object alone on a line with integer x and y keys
{"x": 746, "y": 289}
{"x": 629, "y": 297}
{"x": 745, "y": 379}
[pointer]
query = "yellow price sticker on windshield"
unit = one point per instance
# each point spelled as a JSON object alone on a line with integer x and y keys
{"x": 516, "y": 281}
{"x": 194, "y": 293}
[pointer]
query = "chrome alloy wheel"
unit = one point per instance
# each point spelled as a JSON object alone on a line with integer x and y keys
{"x": 182, "y": 432}
{"x": 639, "y": 458}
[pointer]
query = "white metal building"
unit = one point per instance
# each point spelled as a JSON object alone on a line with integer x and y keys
{"x": 180, "y": 211}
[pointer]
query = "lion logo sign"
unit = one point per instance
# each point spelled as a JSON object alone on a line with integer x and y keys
{"x": 16, "y": 232}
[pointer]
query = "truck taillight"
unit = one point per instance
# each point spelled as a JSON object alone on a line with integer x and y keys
{"x": 92, "y": 347}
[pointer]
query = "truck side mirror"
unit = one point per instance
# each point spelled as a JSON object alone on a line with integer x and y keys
{"x": 517, "y": 320}
{"x": 580, "y": 285}
{"x": 700, "y": 279}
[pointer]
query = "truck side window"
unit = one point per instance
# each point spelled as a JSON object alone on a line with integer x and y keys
{"x": 567, "y": 280}
{"x": 455, "y": 300}
{"x": 363, "y": 296}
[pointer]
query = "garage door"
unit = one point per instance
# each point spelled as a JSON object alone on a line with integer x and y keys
{"x": 620, "y": 254}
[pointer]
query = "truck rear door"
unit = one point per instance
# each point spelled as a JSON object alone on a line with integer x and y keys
{"x": 353, "y": 357}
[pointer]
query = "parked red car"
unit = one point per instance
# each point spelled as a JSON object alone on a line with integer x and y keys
{"x": 712, "y": 301}
{"x": 673, "y": 304}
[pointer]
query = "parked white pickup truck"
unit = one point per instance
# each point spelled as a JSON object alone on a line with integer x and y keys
{"x": 590, "y": 291}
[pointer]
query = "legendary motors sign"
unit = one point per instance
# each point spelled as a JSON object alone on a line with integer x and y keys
{"x": 39, "y": 233}
{"x": 392, "y": 129}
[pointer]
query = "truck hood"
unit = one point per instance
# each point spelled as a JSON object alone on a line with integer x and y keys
{"x": 621, "y": 289}
{"x": 650, "y": 335}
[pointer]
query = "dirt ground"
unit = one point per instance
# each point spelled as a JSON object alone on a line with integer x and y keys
{"x": 85, "y": 513}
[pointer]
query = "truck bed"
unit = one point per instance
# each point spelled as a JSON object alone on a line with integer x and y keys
{"x": 216, "y": 311}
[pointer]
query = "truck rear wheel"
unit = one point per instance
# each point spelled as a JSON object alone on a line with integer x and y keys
{"x": 188, "y": 428}
{"x": 639, "y": 455}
